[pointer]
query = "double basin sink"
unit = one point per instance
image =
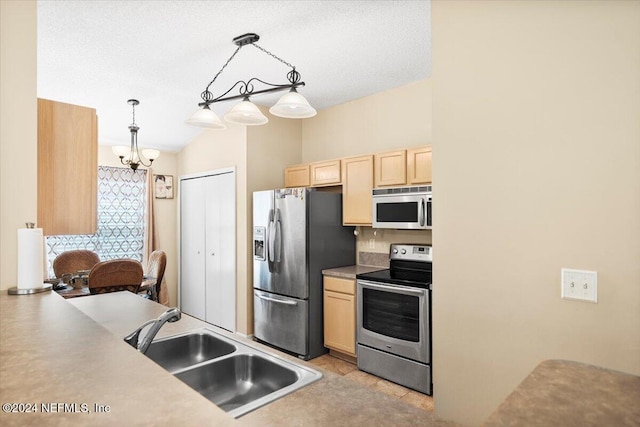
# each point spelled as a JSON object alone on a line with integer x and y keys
{"x": 236, "y": 377}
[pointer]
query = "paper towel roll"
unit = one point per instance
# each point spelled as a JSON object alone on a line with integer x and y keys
{"x": 30, "y": 258}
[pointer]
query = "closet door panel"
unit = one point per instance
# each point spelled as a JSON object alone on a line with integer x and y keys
{"x": 192, "y": 248}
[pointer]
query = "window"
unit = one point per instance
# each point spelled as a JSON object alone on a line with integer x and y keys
{"x": 121, "y": 218}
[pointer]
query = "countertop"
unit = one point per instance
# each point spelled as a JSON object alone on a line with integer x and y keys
{"x": 350, "y": 271}
{"x": 54, "y": 350}
{"x": 566, "y": 393}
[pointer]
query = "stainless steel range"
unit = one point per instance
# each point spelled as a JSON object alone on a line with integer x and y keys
{"x": 394, "y": 318}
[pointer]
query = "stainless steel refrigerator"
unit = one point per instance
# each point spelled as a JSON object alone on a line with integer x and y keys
{"x": 297, "y": 232}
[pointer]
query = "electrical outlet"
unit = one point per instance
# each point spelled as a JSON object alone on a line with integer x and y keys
{"x": 579, "y": 284}
{"x": 372, "y": 243}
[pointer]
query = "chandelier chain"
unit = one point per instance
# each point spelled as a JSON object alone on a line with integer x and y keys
{"x": 276, "y": 57}
{"x": 223, "y": 67}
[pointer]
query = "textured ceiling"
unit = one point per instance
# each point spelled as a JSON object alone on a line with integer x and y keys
{"x": 164, "y": 53}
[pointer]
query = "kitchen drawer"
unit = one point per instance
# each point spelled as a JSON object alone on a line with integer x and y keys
{"x": 343, "y": 286}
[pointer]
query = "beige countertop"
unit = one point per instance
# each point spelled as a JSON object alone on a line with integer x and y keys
{"x": 71, "y": 351}
{"x": 568, "y": 394}
{"x": 350, "y": 271}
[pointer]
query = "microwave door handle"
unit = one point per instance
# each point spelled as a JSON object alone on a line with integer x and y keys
{"x": 422, "y": 212}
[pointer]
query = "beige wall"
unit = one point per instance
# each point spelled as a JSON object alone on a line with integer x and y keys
{"x": 213, "y": 150}
{"x": 165, "y": 210}
{"x": 270, "y": 149}
{"x": 18, "y": 129}
{"x": 537, "y": 163}
{"x": 396, "y": 118}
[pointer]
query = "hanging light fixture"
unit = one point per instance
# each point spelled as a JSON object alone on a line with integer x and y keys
{"x": 132, "y": 153}
{"x": 291, "y": 106}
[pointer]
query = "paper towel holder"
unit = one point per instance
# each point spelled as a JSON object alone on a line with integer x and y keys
{"x": 16, "y": 291}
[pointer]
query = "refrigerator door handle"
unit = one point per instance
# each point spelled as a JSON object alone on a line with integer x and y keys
{"x": 278, "y": 237}
{"x": 286, "y": 302}
{"x": 270, "y": 241}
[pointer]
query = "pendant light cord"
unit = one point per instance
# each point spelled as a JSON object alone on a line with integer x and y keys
{"x": 208, "y": 96}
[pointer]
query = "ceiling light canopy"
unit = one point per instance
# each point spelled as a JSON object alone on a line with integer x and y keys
{"x": 132, "y": 153}
{"x": 291, "y": 106}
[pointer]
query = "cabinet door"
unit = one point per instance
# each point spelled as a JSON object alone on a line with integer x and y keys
{"x": 325, "y": 173}
{"x": 357, "y": 184}
{"x": 419, "y": 165}
{"x": 390, "y": 168}
{"x": 340, "y": 322}
{"x": 296, "y": 176}
{"x": 67, "y": 168}
{"x": 192, "y": 248}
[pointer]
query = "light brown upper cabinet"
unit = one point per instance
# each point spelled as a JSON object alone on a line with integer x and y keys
{"x": 325, "y": 173}
{"x": 357, "y": 184}
{"x": 390, "y": 168}
{"x": 419, "y": 165}
{"x": 67, "y": 168}
{"x": 296, "y": 176}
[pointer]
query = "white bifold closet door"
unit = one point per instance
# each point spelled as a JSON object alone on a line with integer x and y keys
{"x": 208, "y": 248}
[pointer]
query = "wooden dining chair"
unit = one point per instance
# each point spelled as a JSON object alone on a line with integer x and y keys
{"x": 155, "y": 268}
{"x": 115, "y": 275}
{"x": 70, "y": 262}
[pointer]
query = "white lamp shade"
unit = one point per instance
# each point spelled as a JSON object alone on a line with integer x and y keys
{"x": 150, "y": 153}
{"x": 206, "y": 118}
{"x": 120, "y": 150}
{"x": 293, "y": 106}
{"x": 246, "y": 113}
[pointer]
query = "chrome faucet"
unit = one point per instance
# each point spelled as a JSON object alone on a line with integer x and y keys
{"x": 171, "y": 315}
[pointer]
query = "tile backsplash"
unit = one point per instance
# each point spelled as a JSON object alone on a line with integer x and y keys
{"x": 371, "y": 244}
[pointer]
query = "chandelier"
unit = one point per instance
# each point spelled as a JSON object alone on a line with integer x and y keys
{"x": 291, "y": 106}
{"x": 130, "y": 156}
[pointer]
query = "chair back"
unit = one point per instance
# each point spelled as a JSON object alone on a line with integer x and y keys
{"x": 115, "y": 275}
{"x": 156, "y": 266}
{"x": 70, "y": 262}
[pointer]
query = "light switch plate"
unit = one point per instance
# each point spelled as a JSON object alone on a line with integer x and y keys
{"x": 579, "y": 285}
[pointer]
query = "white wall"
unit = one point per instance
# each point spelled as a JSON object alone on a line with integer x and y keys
{"x": 18, "y": 130}
{"x": 536, "y": 156}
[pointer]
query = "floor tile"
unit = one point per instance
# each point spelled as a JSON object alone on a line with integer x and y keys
{"x": 351, "y": 372}
{"x": 419, "y": 400}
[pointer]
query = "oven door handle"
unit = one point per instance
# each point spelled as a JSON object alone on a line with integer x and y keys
{"x": 397, "y": 289}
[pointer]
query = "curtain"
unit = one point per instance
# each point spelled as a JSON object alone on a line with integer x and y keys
{"x": 151, "y": 236}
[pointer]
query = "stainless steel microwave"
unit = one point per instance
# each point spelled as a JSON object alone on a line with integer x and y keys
{"x": 405, "y": 208}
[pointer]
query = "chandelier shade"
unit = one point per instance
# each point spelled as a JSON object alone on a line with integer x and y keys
{"x": 206, "y": 118}
{"x": 246, "y": 113}
{"x": 131, "y": 156}
{"x": 292, "y": 105}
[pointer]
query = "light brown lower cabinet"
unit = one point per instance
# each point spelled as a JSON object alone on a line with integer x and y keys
{"x": 340, "y": 315}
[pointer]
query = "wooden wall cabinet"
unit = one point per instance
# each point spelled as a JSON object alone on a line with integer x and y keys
{"x": 390, "y": 168}
{"x": 67, "y": 168}
{"x": 419, "y": 165}
{"x": 357, "y": 184}
{"x": 340, "y": 315}
{"x": 325, "y": 173}
{"x": 296, "y": 176}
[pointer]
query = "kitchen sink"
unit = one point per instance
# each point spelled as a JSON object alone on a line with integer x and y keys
{"x": 235, "y": 376}
{"x": 187, "y": 350}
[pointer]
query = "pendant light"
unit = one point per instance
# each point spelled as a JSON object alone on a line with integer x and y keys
{"x": 130, "y": 156}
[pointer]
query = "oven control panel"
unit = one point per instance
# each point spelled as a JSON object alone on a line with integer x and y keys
{"x": 410, "y": 252}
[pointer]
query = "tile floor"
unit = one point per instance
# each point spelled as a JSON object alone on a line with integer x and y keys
{"x": 350, "y": 371}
